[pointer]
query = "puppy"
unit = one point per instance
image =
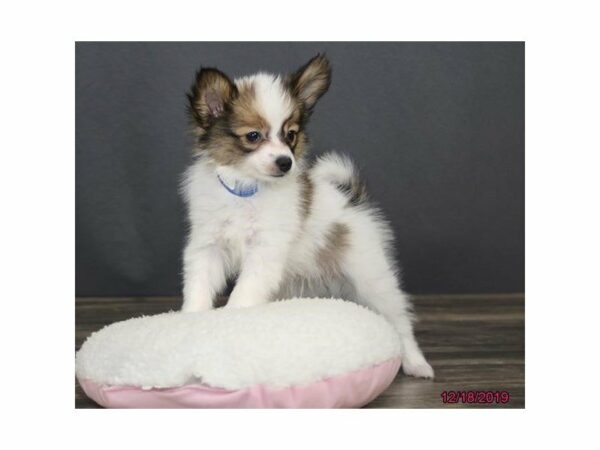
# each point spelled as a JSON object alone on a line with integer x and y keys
{"x": 259, "y": 213}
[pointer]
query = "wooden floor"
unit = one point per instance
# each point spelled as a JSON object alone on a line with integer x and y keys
{"x": 473, "y": 342}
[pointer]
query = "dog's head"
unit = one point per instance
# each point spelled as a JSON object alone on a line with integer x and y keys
{"x": 255, "y": 125}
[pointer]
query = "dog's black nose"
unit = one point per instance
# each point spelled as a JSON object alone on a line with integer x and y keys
{"x": 284, "y": 163}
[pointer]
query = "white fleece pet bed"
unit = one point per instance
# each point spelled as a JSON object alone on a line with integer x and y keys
{"x": 300, "y": 353}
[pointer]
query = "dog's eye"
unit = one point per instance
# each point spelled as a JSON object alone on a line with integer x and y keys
{"x": 291, "y": 135}
{"x": 253, "y": 136}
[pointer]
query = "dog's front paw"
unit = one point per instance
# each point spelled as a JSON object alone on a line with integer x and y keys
{"x": 242, "y": 301}
{"x": 196, "y": 305}
{"x": 419, "y": 369}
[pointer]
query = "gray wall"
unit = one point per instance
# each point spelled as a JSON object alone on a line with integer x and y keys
{"x": 437, "y": 129}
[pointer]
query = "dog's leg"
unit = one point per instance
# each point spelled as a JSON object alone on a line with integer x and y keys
{"x": 376, "y": 286}
{"x": 203, "y": 277}
{"x": 260, "y": 276}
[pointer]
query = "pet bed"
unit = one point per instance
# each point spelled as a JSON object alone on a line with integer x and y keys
{"x": 299, "y": 353}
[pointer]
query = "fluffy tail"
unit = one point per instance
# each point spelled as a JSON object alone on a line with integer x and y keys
{"x": 340, "y": 171}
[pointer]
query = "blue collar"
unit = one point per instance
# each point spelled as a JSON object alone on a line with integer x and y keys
{"x": 238, "y": 190}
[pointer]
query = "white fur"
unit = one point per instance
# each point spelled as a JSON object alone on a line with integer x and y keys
{"x": 278, "y": 344}
{"x": 275, "y": 106}
{"x": 264, "y": 241}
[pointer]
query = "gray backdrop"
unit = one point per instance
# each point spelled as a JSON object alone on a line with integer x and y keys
{"x": 437, "y": 129}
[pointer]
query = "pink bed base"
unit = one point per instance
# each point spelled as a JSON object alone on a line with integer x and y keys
{"x": 349, "y": 390}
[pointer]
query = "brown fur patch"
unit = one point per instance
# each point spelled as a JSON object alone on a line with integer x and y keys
{"x": 306, "y": 194}
{"x": 337, "y": 241}
{"x": 221, "y": 146}
{"x": 244, "y": 114}
{"x": 296, "y": 122}
{"x": 355, "y": 190}
{"x": 301, "y": 145}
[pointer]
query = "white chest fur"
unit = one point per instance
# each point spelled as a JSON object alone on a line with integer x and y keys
{"x": 238, "y": 224}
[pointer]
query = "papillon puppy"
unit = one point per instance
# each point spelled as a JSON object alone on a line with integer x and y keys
{"x": 282, "y": 228}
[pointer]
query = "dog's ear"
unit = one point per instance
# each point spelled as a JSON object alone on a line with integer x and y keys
{"x": 311, "y": 81}
{"x": 210, "y": 96}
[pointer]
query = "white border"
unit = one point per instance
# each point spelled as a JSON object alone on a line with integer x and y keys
{"x": 38, "y": 226}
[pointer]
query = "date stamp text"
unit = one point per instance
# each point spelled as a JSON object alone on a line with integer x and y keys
{"x": 475, "y": 397}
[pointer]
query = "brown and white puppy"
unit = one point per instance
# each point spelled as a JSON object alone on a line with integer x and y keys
{"x": 260, "y": 215}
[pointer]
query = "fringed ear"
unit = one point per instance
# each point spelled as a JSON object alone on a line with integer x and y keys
{"x": 311, "y": 81}
{"x": 210, "y": 96}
